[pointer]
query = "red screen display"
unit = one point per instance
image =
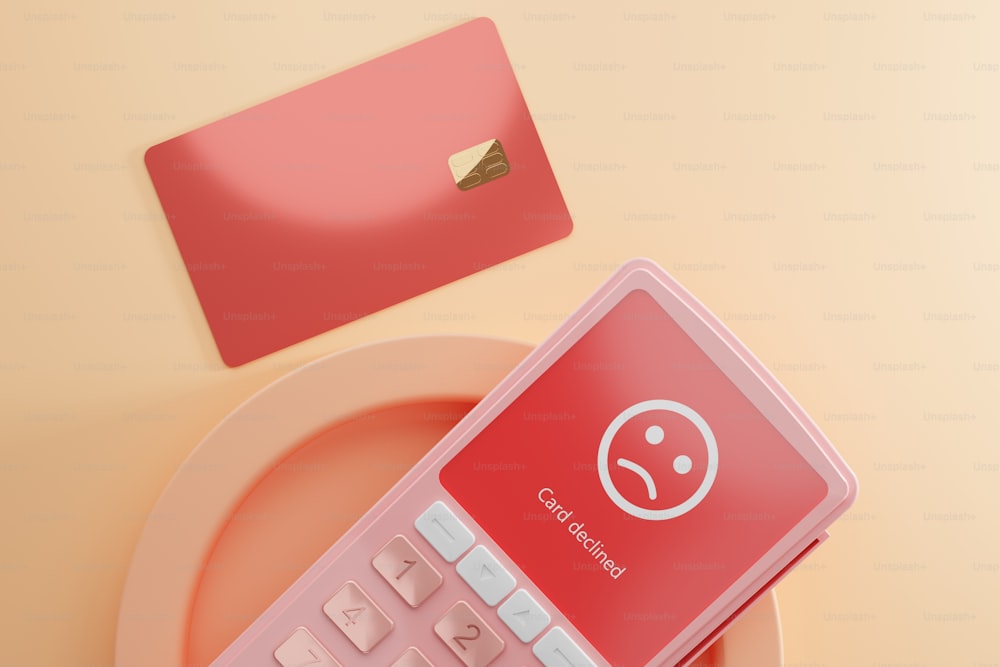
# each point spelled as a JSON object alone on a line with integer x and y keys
{"x": 633, "y": 482}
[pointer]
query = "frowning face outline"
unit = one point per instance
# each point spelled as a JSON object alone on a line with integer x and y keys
{"x": 657, "y": 459}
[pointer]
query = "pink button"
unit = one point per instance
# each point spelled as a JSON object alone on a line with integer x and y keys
{"x": 412, "y": 658}
{"x": 406, "y": 570}
{"x": 468, "y": 636}
{"x": 357, "y": 616}
{"x": 303, "y": 650}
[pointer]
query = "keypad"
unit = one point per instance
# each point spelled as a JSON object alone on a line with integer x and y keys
{"x": 468, "y": 636}
{"x": 492, "y": 583}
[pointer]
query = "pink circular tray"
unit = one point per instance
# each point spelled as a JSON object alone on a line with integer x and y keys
{"x": 284, "y": 475}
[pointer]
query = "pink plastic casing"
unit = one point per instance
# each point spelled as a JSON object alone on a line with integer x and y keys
{"x": 350, "y": 558}
{"x": 333, "y": 201}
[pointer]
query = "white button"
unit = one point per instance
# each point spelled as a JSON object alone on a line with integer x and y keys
{"x": 556, "y": 649}
{"x": 303, "y": 650}
{"x": 486, "y": 575}
{"x": 523, "y": 615}
{"x": 444, "y": 531}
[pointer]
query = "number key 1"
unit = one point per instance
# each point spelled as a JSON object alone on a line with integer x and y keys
{"x": 406, "y": 570}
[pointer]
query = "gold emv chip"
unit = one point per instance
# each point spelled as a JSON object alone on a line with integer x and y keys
{"x": 479, "y": 164}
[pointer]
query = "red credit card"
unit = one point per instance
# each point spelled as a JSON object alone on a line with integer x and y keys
{"x": 358, "y": 191}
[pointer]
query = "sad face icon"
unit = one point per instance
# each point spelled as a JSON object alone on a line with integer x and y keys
{"x": 657, "y": 459}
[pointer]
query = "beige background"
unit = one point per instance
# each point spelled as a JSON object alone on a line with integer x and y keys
{"x": 824, "y": 176}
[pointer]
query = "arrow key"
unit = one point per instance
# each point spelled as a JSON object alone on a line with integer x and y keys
{"x": 523, "y": 615}
{"x": 481, "y": 570}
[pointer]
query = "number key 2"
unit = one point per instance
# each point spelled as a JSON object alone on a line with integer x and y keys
{"x": 468, "y": 636}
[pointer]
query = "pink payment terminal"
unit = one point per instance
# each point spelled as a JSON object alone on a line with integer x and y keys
{"x": 636, "y": 483}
